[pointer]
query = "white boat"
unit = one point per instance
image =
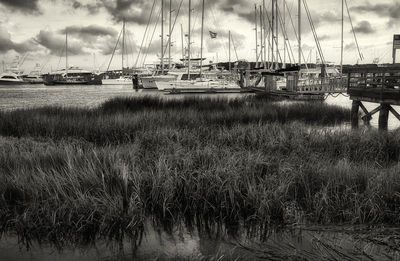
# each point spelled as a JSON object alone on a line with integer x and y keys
{"x": 149, "y": 82}
{"x": 10, "y": 79}
{"x": 34, "y": 77}
{"x": 123, "y": 80}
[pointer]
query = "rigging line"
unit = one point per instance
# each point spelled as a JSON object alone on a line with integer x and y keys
{"x": 234, "y": 48}
{"x": 288, "y": 46}
{"x": 173, "y": 27}
{"x": 319, "y": 48}
{"x": 153, "y": 20}
{"x": 145, "y": 32}
{"x": 354, "y": 33}
{"x": 152, "y": 36}
{"x": 115, "y": 48}
{"x": 296, "y": 35}
{"x": 219, "y": 39}
{"x": 275, "y": 40}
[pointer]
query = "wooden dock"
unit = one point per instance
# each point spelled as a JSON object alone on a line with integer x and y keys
{"x": 377, "y": 84}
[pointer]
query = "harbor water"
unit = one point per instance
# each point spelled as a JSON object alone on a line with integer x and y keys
{"x": 31, "y": 96}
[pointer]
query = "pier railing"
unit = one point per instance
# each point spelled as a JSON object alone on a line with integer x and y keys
{"x": 375, "y": 84}
{"x": 334, "y": 84}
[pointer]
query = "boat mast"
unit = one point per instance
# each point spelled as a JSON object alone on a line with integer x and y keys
{"x": 262, "y": 37}
{"x": 183, "y": 48}
{"x": 255, "y": 22}
{"x": 265, "y": 35}
{"x": 190, "y": 18}
{"x": 230, "y": 66}
{"x": 299, "y": 29}
{"x": 273, "y": 34}
{"x": 202, "y": 35}
{"x": 342, "y": 41}
{"x": 170, "y": 32}
{"x": 277, "y": 33}
{"x": 66, "y": 52}
{"x": 284, "y": 34}
{"x": 123, "y": 46}
{"x": 162, "y": 36}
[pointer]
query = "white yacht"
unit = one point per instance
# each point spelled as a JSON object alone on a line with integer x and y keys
{"x": 122, "y": 80}
{"x": 10, "y": 79}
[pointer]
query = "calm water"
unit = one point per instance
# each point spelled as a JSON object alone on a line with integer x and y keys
{"x": 304, "y": 244}
{"x": 28, "y": 96}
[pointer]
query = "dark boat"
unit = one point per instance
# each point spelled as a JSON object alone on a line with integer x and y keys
{"x": 71, "y": 76}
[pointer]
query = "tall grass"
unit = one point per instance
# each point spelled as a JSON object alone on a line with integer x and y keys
{"x": 120, "y": 119}
{"x": 77, "y": 175}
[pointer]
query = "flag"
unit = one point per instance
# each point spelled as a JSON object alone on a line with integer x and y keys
{"x": 213, "y": 35}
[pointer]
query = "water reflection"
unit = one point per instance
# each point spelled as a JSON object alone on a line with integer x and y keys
{"x": 317, "y": 243}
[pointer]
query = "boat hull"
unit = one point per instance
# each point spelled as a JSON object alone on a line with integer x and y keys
{"x": 197, "y": 85}
{"x": 2, "y": 82}
{"x": 150, "y": 82}
{"x": 116, "y": 82}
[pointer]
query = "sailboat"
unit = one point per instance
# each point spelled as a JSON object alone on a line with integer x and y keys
{"x": 123, "y": 79}
{"x": 70, "y": 75}
{"x": 199, "y": 81}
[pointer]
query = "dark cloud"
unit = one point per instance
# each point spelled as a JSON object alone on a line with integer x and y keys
{"x": 389, "y": 10}
{"x": 56, "y": 43}
{"x": 6, "y": 44}
{"x": 364, "y": 27}
{"x": 24, "y": 6}
{"x": 91, "y": 30}
{"x": 136, "y": 11}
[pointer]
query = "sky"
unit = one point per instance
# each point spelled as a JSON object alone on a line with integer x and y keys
{"x": 35, "y": 29}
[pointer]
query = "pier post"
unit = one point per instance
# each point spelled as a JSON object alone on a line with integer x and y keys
{"x": 354, "y": 114}
{"x": 384, "y": 116}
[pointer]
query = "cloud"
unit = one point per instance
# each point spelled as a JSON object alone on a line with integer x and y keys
{"x": 364, "y": 27}
{"x": 350, "y": 46}
{"x": 390, "y": 10}
{"x": 56, "y": 44}
{"x": 24, "y": 6}
{"x": 6, "y": 44}
{"x": 90, "y": 31}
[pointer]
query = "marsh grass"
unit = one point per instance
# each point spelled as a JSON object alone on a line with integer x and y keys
{"x": 118, "y": 120}
{"x": 77, "y": 175}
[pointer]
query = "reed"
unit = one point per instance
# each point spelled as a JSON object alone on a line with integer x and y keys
{"x": 118, "y": 120}
{"x": 77, "y": 175}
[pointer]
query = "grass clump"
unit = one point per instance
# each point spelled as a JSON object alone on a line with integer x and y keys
{"x": 86, "y": 174}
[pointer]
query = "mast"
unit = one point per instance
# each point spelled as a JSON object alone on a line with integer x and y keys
{"x": 277, "y": 33}
{"x": 255, "y": 21}
{"x": 230, "y": 66}
{"x": 284, "y": 33}
{"x": 66, "y": 52}
{"x": 202, "y": 36}
{"x": 170, "y": 32}
{"x": 123, "y": 46}
{"x": 183, "y": 48}
{"x": 299, "y": 29}
{"x": 162, "y": 36}
{"x": 273, "y": 34}
{"x": 190, "y": 21}
{"x": 342, "y": 41}
{"x": 265, "y": 33}
{"x": 262, "y": 37}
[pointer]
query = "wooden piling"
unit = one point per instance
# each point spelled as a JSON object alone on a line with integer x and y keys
{"x": 384, "y": 116}
{"x": 354, "y": 114}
